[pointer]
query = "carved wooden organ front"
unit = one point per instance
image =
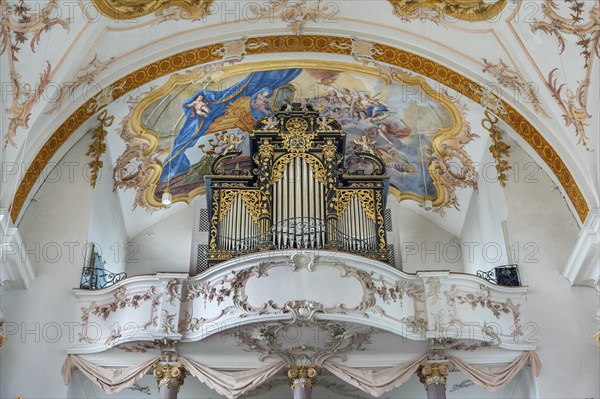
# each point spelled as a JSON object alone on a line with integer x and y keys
{"x": 296, "y": 194}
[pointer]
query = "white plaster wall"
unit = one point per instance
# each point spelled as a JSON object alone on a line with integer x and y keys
{"x": 423, "y": 244}
{"x": 164, "y": 246}
{"x": 31, "y": 359}
{"x": 107, "y": 228}
{"x": 545, "y": 231}
{"x": 482, "y": 239}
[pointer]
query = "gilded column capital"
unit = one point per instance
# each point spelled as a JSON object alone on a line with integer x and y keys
{"x": 302, "y": 376}
{"x": 433, "y": 373}
{"x": 170, "y": 375}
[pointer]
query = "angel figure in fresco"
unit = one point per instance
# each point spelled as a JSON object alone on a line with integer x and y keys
{"x": 396, "y": 159}
{"x": 385, "y": 130}
{"x": 205, "y": 106}
{"x": 199, "y": 107}
{"x": 371, "y": 105}
{"x": 260, "y": 103}
{"x": 231, "y": 143}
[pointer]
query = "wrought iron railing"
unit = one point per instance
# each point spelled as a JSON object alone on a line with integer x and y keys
{"x": 95, "y": 278}
{"x": 507, "y": 275}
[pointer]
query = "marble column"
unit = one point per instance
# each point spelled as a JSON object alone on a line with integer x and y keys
{"x": 169, "y": 377}
{"x": 302, "y": 380}
{"x": 433, "y": 376}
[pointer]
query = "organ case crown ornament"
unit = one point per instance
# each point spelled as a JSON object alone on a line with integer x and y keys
{"x": 297, "y": 194}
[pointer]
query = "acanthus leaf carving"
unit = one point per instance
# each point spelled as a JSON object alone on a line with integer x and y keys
{"x": 17, "y": 22}
{"x": 511, "y": 79}
{"x": 331, "y": 339}
{"x": 573, "y": 103}
{"x": 121, "y": 301}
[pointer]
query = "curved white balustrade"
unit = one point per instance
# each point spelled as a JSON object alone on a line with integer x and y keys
{"x": 286, "y": 285}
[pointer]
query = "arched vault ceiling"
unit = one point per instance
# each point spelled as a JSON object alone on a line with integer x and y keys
{"x": 68, "y": 64}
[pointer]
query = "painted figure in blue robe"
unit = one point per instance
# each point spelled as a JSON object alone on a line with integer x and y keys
{"x": 205, "y": 106}
{"x": 259, "y": 104}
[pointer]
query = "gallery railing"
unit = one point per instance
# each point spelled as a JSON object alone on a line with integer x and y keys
{"x": 507, "y": 275}
{"x": 94, "y": 278}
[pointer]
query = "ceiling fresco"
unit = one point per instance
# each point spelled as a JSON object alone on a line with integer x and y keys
{"x": 185, "y": 124}
{"x": 538, "y": 56}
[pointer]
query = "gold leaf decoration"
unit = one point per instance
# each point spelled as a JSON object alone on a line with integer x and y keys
{"x": 499, "y": 148}
{"x": 130, "y": 9}
{"x": 464, "y": 10}
{"x": 98, "y": 146}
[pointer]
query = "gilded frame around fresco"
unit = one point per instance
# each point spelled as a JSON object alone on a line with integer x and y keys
{"x": 140, "y": 132}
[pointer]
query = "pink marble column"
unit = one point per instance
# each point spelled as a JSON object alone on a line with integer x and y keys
{"x": 436, "y": 391}
{"x": 167, "y": 392}
{"x": 302, "y": 380}
{"x": 303, "y": 392}
{"x": 433, "y": 376}
{"x": 169, "y": 377}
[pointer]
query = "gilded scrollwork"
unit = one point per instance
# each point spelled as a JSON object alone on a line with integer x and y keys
{"x": 380, "y": 222}
{"x": 464, "y": 10}
{"x": 98, "y": 146}
{"x": 499, "y": 148}
{"x": 131, "y": 9}
{"x": 283, "y": 161}
{"x": 214, "y": 221}
{"x": 365, "y": 197}
{"x": 451, "y": 150}
{"x": 227, "y": 199}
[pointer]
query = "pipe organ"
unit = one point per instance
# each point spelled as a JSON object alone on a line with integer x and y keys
{"x": 297, "y": 194}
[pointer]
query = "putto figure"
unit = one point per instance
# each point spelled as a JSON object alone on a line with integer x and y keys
{"x": 260, "y": 103}
{"x": 199, "y": 106}
{"x": 206, "y": 106}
